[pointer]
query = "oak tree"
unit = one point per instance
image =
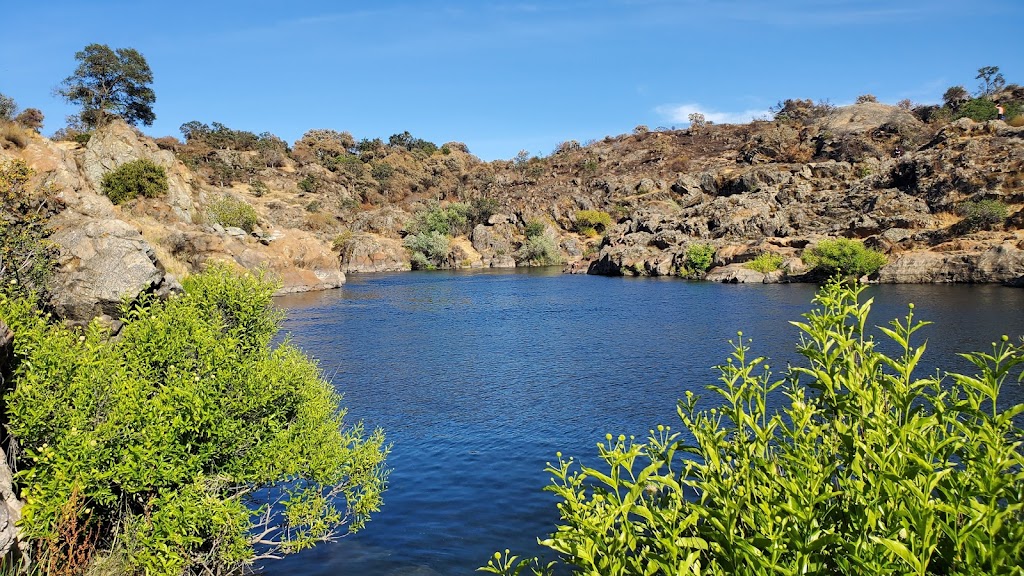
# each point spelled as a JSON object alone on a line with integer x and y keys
{"x": 110, "y": 83}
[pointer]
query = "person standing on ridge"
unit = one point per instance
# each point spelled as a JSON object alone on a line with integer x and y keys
{"x": 999, "y": 111}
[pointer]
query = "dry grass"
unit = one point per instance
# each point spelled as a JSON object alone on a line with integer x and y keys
{"x": 1016, "y": 121}
{"x": 14, "y": 135}
{"x": 320, "y": 222}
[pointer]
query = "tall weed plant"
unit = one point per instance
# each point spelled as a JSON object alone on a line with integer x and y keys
{"x": 869, "y": 469}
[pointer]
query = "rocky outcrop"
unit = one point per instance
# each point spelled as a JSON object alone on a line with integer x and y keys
{"x": 101, "y": 262}
{"x": 494, "y": 241}
{"x": 296, "y": 258}
{"x": 365, "y": 252}
{"x": 119, "y": 143}
{"x": 10, "y": 506}
{"x": 1003, "y": 263}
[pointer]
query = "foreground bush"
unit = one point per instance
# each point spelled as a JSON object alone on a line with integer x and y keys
{"x": 192, "y": 445}
{"x": 867, "y": 470}
{"x": 133, "y": 179}
{"x": 843, "y": 256}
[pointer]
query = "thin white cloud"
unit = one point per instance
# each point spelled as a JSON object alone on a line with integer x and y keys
{"x": 680, "y": 113}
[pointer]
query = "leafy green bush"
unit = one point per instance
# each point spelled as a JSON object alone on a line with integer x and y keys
{"x": 698, "y": 260}
{"x": 133, "y": 179}
{"x": 310, "y": 184}
{"x": 983, "y": 214}
{"x": 843, "y": 256}
{"x": 481, "y": 209}
{"x": 867, "y": 468}
{"x": 592, "y": 222}
{"x": 539, "y": 250}
{"x": 448, "y": 220}
{"x": 534, "y": 228}
{"x": 978, "y": 109}
{"x": 429, "y": 250}
{"x": 765, "y": 262}
{"x": 27, "y": 259}
{"x": 195, "y": 444}
{"x": 229, "y": 212}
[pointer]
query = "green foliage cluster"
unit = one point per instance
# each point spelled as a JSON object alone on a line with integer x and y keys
{"x": 450, "y": 219}
{"x": 868, "y": 469}
{"x": 229, "y": 211}
{"x": 592, "y": 222}
{"x": 699, "y": 257}
{"x": 310, "y": 184}
{"x": 481, "y": 209}
{"x": 977, "y": 109}
{"x": 197, "y": 446}
{"x": 8, "y": 107}
{"x": 110, "y": 83}
{"x": 843, "y": 256}
{"x": 219, "y": 137}
{"x": 539, "y": 250}
{"x": 983, "y": 214}
{"x": 27, "y": 259}
{"x": 132, "y": 179}
{"x": 534, "y": 228}
{"x": 765, "y": 262}
{"x": 410, "y": 143}
{"x": 429, "y": 249}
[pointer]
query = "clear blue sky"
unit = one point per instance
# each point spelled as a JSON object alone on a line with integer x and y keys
{"x": 505, "y": 76}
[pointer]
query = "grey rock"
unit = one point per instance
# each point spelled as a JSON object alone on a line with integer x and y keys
{"x": 101, "y": 262}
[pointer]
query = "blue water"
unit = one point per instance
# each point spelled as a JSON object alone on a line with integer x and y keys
{"x": 479, "y": 378}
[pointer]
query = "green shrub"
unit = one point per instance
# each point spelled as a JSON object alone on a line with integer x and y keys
{"x": 978, "y": 109}
{"x": 534, "y": 228}
{"x": 310, "y": 184}
{"x": 481, "y": 209}
{"x": 448, "y": 220}
{"x": 233, "y": 212}
{"x": 982, "y": 214}
{"x": 539, "y": 250}
{"x": 843, "y": 256}
{"x": 429, "y": 250}
{"x": 592, "y": 222}
{"x": 188, "y": 434}
{"x": 27, "y": 259}
{"x": 699, "y": 257}
{"x": 765, "y": 262}
{"x": 133, "y": 179}
{"x": 867, "y": 468}
{"x": 259, "y": 188}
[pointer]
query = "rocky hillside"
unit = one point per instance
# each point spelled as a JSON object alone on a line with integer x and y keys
{"x": 328, "y": 206}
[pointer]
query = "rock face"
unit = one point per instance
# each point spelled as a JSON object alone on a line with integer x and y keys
{"x": 366, "y": 252}
{"x": 296, "y": 258}
{"x": 10, "y": 506}
{"x": 101, "y": 262}
{"x": 117, "y": 144}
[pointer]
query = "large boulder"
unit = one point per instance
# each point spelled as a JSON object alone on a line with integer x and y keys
{"x": 365, "y": 252}
{"x": 298, "y": 259}
{"x": 101, "y": 262}
{"x": 1003, "y": 263}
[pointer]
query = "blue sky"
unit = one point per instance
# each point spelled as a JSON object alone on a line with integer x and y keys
{"x": 506, "y": 76}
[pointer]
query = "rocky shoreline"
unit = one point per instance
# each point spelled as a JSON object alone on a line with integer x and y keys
{"x": 743, "y": 190}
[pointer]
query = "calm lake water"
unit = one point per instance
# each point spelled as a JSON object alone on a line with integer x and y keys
{"x": 479, "y": 378}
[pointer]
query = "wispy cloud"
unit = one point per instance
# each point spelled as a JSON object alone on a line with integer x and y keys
{"x": 681, "y": 113}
